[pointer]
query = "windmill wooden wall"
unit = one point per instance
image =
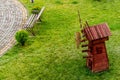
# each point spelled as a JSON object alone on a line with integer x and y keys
{"x": 97, "y": 58}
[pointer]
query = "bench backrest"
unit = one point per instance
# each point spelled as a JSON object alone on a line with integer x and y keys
{"x": 33, "y": 18}
{"x": 41, "y": 11}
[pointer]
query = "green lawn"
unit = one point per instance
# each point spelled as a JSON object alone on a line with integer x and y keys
{"x": 52, "y": 53}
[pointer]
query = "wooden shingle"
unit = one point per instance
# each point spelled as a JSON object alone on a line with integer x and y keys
{"x": 97, "y": 32}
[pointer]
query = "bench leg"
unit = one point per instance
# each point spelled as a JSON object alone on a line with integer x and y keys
{"x": 40, "y": 19}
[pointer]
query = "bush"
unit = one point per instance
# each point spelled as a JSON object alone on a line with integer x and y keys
{"x": 35, "y": 10}
{"x": 74, "y": 2}
{"x": 58, "y": 2}
{"x": 21, "y": 37}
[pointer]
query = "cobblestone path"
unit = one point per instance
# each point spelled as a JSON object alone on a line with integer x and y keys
{"x": 12, "y": 17}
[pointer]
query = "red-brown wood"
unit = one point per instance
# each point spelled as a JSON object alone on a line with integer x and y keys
{"x": 97, "y": 32}
{"x": 83, "y": 40}
{"x": 97, "y": 59}
{"x": 85, "y": 45}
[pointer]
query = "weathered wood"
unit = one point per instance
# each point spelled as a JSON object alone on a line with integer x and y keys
{"x": 99, "y": 40}
{"x": 86, "y": 50}
{"x": 84, "y": 40}
{"x": 30, "y": 20}
{"x": 33, "y": 19}
{"x": 97, "y": 31}
{"x": 78, "y": 39}
{"x": 41, "y": 11}
{"x": 97, "y": 59}
{"x": 87, "y": 56}
{"x": 86, "y": 45}
{"x": 89, "y": 31}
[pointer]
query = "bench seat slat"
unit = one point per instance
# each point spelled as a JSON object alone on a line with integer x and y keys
{"x": 33, "y": 19}
{"x": 41, "y": 11}
{"x": 29, "y": 20}
{"x": 33, "y": 22}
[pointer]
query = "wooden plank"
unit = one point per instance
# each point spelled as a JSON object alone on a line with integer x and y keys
{"x": 78, "y": 39}
{"x": 84, "y": 40}
{"x": 97, "y": 34}
{"x": 99, "y": 41}
{"x": 94, "y": 33}
{"x": 102, "y": 31}
{"x": 86, "y": 45}
{"x": 86, "y": 50}
{"x": 107, "y": 30}
{"x": 89, "y": 35}
{"x": 41, "y": 11}
{"x": 26, "y": 24}
{"x": 100, "y": 35}
{"x": 90, "y": 32}
{"x": 33, "y": 21}
{"x": 87, "y": 56}
{"x": 29, "y": 21}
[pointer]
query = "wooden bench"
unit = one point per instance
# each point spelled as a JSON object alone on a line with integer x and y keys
{"x": 33, "y": 19}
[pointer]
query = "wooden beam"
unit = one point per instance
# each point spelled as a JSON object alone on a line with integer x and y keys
{"x": 85, "y": 50}
{"x": 86, "y": 45}
{"x": 78, "y": 39}
{"x": 87, "y": 56}
{"x": 41, "y": 11}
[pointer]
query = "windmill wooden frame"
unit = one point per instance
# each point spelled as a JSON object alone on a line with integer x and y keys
{"x": 96, "y": 59}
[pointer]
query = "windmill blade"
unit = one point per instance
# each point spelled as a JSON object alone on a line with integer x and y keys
{"x": 80, "y": 20}
{"x": 78, "y": 39}
{"x": 85, "y": 45}
{"x": 87, "y": 50}
{"x": 77, "y": 34}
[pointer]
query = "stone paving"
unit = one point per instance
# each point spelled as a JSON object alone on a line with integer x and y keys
{"x": 12, "y": 17}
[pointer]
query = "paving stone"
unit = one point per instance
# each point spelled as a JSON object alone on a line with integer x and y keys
{"x": 12, "y": 16}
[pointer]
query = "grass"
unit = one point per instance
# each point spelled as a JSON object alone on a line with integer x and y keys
{"x": 52, "y": 54}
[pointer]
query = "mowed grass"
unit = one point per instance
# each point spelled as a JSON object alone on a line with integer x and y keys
{"x": 52, "y": 53}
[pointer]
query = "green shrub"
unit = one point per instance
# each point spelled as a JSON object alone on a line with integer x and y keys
{"x": 58, "y": 2}
{"x": 74, "y": 2}
{"x": 35, "y": 10}
{"x": 21, "y": 37}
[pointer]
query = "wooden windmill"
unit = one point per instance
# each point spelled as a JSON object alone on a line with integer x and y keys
{"x": 96, "y": 59}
